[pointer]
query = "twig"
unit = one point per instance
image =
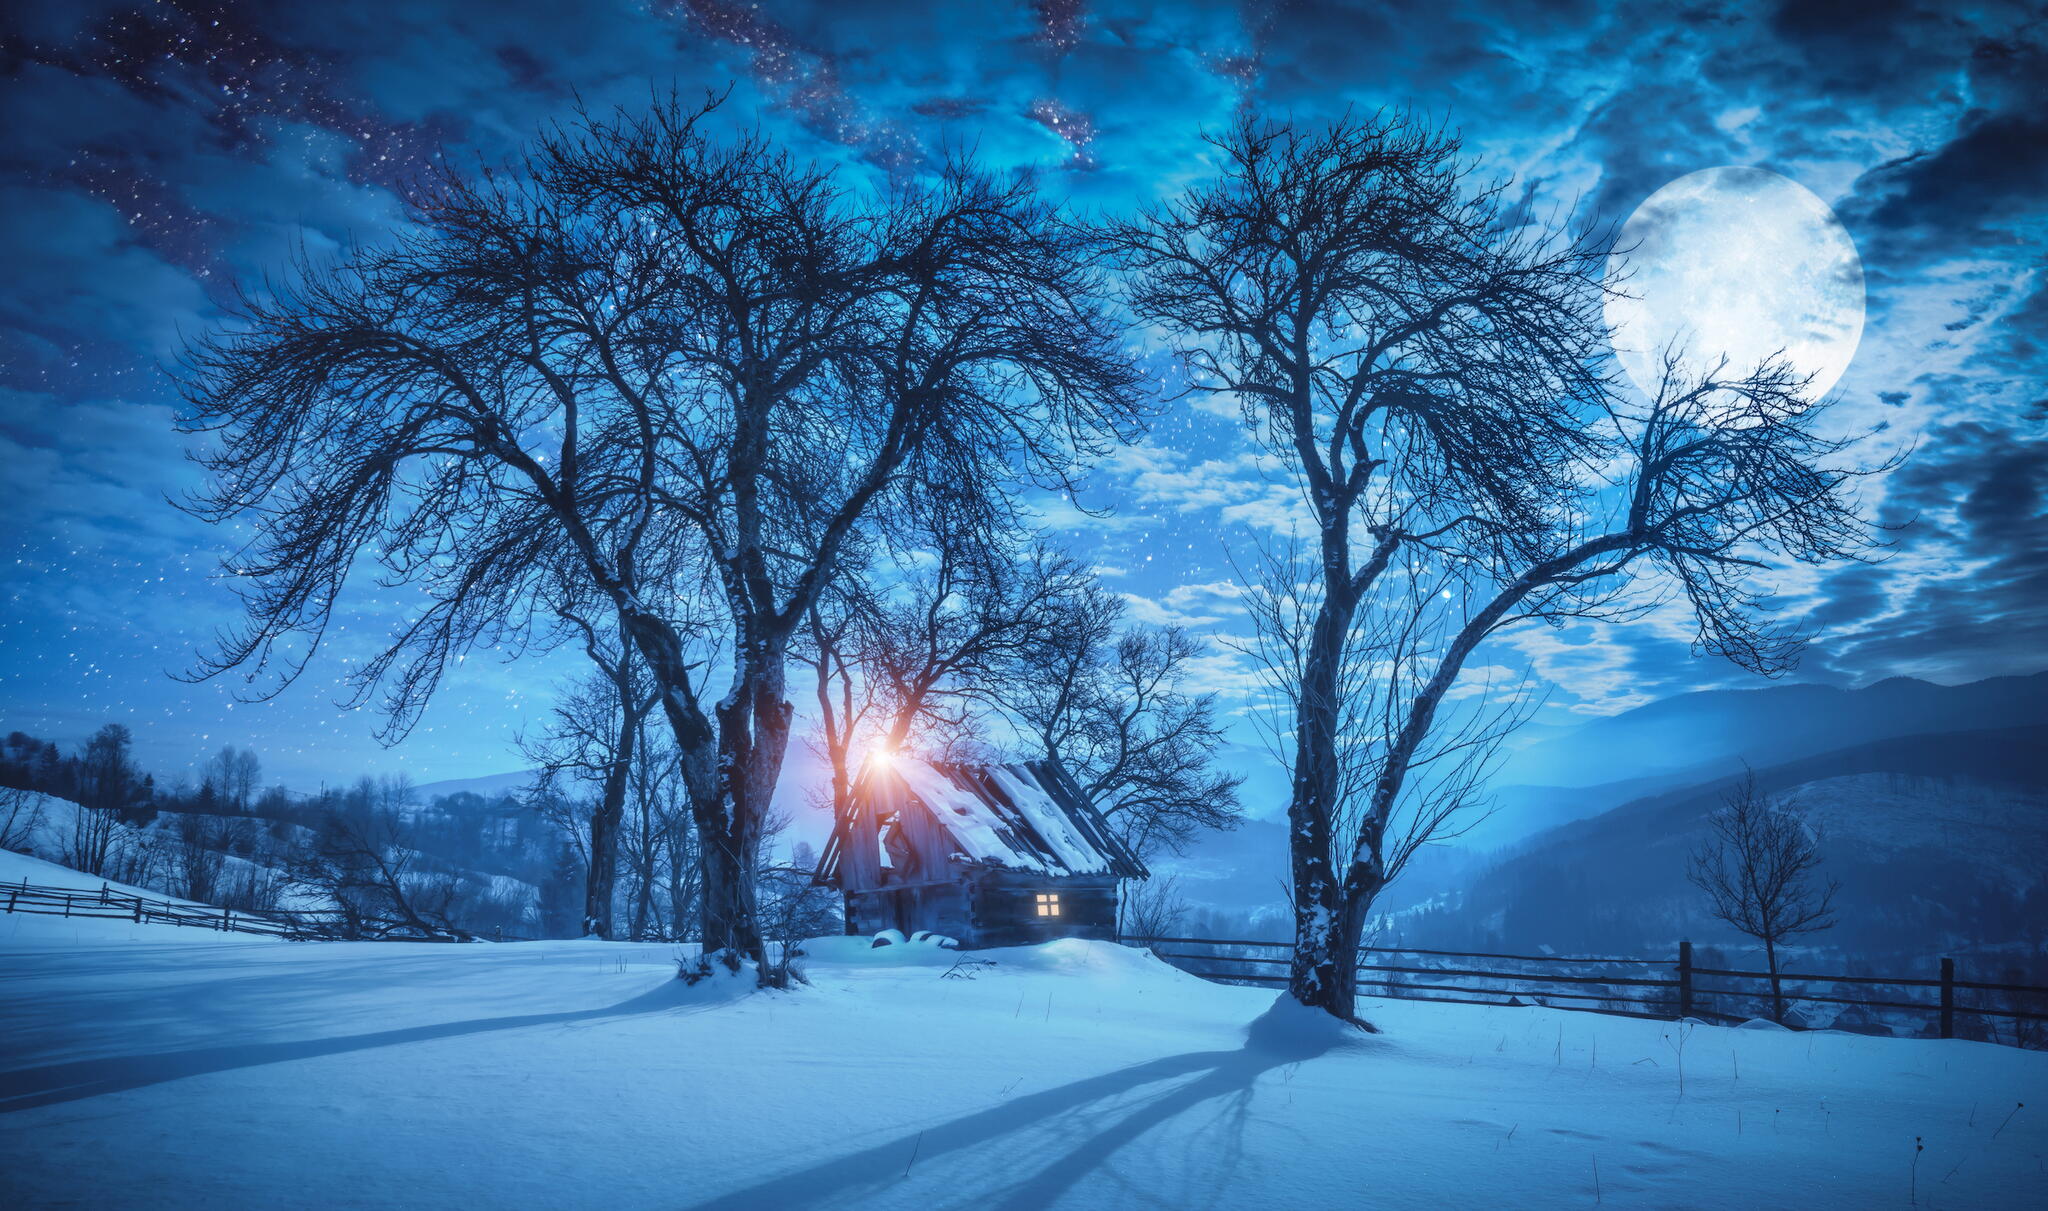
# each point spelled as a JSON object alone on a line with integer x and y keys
{"x": 2016, "y": 1108}
{"x": 913, "y": 1153}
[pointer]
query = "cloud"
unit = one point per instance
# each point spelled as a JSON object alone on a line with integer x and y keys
{"x": 1920, "y": 122}
{"x": 1188, "y": 605}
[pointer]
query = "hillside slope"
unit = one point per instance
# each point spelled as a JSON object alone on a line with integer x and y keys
{"x": 1940, "y": 843}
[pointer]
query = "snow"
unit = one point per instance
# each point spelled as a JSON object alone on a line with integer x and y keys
{"x": 1075, "y": 852}
{"x": 977, "y": 825}
{"x": 967, "y": 818}
{"x": 1073, "y": 1074}
{"x": 18, "y": 868}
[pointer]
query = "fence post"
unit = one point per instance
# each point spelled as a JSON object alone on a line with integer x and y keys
{"x": 1948, "y": 998}
{"x": 1685, "y": 979}
{"x": 14, "y": 894}
{"x": 103, "y": 893}
{"x": 138, "y": 910}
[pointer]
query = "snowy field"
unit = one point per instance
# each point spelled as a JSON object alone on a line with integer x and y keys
{"x": 146, "y": 1073}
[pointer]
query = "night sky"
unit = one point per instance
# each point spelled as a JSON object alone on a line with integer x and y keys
{"x": 156, "y": 154}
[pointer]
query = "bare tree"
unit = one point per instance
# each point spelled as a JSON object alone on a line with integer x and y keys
{"x": 964, "y": 634}
{"x": 235, "y": 774}
{"x": 1114, "y": 709}
{"x": 1431, "y": 367}
{"x": 654, "y": 846}
{"x": 21, "y": 814}
{"x": 365, "y": 869}
{"x": 795, "y": 906}
{"x": 197, "y": 858}
{"x": 1390, "y": 648}
{"x": 643, "y": 342}
{"x": 1760, "y": 868}
{"x": 106, "y": 785}
{"x": 595, "y": 735}
{"x": 1152, "y": 908}
{"x": 922, "y": 646}
{"x": 849, "y": 704}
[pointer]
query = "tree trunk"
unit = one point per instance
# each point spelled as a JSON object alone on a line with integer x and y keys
{"x": 1323, "y": 973}
{"x": 1777, "y": 986}
{"x": 753, "y": 735}
{"x": 725, "y": 885}
{"x": 643, "y": 874}
{"x": 680, "y": 862}
{"x": 603, "y": 879}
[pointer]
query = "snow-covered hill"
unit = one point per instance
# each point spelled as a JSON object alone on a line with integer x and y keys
{"x": 1939, "y": 842}
{"x": 1075, "y": 1074}
{"x": 45, "y": 929}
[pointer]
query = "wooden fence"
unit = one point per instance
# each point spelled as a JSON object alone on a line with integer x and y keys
{"x": 107, "y": 904}
{"x": 1633, "y": 987}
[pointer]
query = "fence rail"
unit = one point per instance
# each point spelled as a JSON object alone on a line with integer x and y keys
{"x": 1631, "y": 986}
{"x": 107, "y": 904}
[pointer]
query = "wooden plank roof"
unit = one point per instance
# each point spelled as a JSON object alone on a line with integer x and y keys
{"x": 1023, "y": 816}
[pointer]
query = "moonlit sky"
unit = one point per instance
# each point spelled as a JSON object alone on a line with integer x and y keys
{"x": 155, "y": 153}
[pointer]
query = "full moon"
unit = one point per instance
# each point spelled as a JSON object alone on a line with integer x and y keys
{"x": 1735, "y": 262}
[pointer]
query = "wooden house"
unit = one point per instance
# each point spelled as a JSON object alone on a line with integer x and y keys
{"x": 990, "y": 855}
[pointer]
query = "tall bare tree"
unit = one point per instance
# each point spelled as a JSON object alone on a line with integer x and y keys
{"x": 593, "y": 736}
{"x": 1432, "y": 367}
{"x": 641, "y": 341}
{"x": 1760, "y": 868}
{"x": 235, "y": 774}
{"x": 106, "y": 787}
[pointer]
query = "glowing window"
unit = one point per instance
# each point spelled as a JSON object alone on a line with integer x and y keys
{"x": 1048, "y": 904}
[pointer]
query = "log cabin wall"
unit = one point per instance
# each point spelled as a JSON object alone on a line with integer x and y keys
{"x": 1003, "y": 907}
{"x": 938, "y": 907}
{"x": 990, "y": 907}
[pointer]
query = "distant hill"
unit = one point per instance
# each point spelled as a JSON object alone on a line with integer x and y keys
{"x": 1768, "y": 726}
{"x": 490, "y": 786}
{"x": 1940, "y": 842}
{"x": 1693, "y": 738}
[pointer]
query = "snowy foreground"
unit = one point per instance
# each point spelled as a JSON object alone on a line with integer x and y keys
{"x": 154, "y": 1067}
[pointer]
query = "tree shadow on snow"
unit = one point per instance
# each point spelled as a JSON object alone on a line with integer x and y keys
{"x": 27, "y": 1088}
{"x": 1035, "y": 1148}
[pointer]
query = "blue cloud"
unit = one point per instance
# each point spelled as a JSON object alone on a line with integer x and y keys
{"x": 158, "y": 151}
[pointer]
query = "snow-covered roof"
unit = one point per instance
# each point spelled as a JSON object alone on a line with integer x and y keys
{"x": 1026, "y": 816}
